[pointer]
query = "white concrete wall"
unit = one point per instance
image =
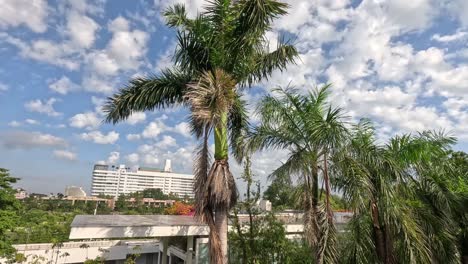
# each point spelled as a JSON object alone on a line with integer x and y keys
{"x": 109, "y": 250}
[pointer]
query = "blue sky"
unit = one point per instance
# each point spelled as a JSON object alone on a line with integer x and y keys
{"x": 404, "y": 64}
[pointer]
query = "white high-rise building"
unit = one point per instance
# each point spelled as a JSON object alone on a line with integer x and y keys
{"x": 113, "y": 180}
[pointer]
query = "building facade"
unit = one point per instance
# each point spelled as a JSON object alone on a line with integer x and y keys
{"x": 114, "y": 181}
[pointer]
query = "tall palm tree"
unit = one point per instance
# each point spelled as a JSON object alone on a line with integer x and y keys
{"x": 311, "y": 130}
{"x": 387, "y": 188}
{"x": 219, "y": 53}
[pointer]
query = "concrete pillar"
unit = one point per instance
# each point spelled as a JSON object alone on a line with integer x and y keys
{"x": 165, "y": 241}
{"x": 189, "y": 253}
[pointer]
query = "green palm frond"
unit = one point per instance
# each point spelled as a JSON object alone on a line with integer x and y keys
{"x": 264, "y": 63}
{"x": 176, "y": 16}
{"x": 143, "y": 94}
{"x": 238, "y": 126}
{"x": 360, "y": 247}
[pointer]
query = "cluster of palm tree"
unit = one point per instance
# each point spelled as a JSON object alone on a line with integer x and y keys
{"x": 405, "y": 209}
{"x": 408, "y": 196}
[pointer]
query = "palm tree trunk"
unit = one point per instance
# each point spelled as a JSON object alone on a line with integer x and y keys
{"x": 327, "y": 187}
{"x": 221, "y": 224}
{"x": 378, "y": 233}
{"x": 221, "y": 212}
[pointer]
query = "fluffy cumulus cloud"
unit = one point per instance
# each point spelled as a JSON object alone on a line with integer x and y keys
{"x": 65, "y": 155}
{"x": 132, "y": 158}
{"x": 43, "y": 106}
{"x": 81, "y": 29}
{"x": 43, "y": 50}
{"x": 100, "y": 138}
{"x": 29, "y": 140}
{"x": 136, "y": 118}
{"x": 88, "y": 120}
{"x": 30, "y": 13}
{"x": 63, "y": 85}
{"x": 113, "y": 158}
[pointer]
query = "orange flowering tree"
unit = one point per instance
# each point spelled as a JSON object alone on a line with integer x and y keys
{"x": 179, "y": 208}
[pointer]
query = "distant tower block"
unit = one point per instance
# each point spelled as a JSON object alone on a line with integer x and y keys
{"x": 168, "y": 167}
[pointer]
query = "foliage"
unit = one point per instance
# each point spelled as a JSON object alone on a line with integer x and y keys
{"x": 312, "y": 130}
{"x": 8, "y": 218}
{"x": 399, "y": 195}
{"x": 270, "y": 244}
{"x": 179, "y": 208}
{"x": 219, "y": 52}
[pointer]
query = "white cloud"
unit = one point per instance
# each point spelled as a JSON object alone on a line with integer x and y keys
{"x": 133, "y": 137}
{"x": 135, "y": 118}
{"x": 133, "y": 158}
{"x": 102, "y": 64}
{"x": 96, "y": 84}
{"x": 29, "y": 140}
{"x": 113, "y": 158}
{"x": 31, "y": 13}
{"x": 98, "y": 104}
{"x": 63, "y": 86}
{"x": 460, "y": 9}
{"x": 65, "y": 155}
{"x": 14, "y": 123}
{"x": 166, "y": 142}
{"x": 153, "y": 129}
{"x": 88, "y": 120}
{"x": 44, "y": 51}
{"x": 100, "y": 138}
{"x": 449, "y": 38}
{"x": 81, "y": 29}
{"x": 183, "y": 128}
{"x": 32, "y": 121}
{"x": 119, "y": 24}
{"x": 132, "y": 42}
{"x": 43, "y": 107}
{"x": 3, "y": 87}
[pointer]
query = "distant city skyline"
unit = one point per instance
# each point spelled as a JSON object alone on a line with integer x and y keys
{"x": 402, "y": 64}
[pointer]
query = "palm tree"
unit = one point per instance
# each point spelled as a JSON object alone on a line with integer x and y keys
{"x": 397, "y": 213}
{"x": 219, "y": 53}
{"x": 311, "y": 130}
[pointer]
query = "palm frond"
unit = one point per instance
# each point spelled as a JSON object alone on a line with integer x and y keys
{"x": 327, "y": 244}
{"x": 143, "y": 94}
{"x": 211, "y": 97}
{"x": 238, "y": 125}
{"x": 264, "y": 64}
{"x": 254, "y": 19}
{"x": 176, "y": 16}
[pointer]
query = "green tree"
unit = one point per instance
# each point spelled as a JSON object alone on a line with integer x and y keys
{"x": 459, "y": 186}
{"x": 279, "y": 193}
{"x": 401, "y": 208}
{"x": 312, "y": 130}
{"x": 218, "y": 53}
{"x": 8, "y": 206}
{"x": 155, "y": 194}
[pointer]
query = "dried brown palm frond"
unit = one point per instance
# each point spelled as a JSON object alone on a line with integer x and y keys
{"x": 211, "y": 97}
